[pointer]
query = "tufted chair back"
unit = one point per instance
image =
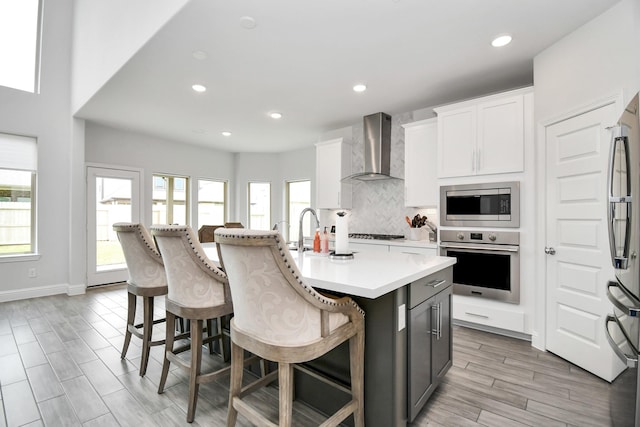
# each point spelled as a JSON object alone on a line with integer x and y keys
{"x": 271, "y": 301}
{"x": 143, "y": 260}
{"x": 193, "y": 279}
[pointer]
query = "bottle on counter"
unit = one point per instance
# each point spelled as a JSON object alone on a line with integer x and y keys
{"x": 324, "y": 242}
{"x": 316, "y": 241}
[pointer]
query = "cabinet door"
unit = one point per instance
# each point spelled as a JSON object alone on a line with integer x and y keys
{"x": 333, "y": 161}
{"x": 457, "y": 142}
{"x": 366, "y": 247}
{"x": 441, "y": 349}
{"x": 420, "y": 163}
{"x": 501, "y": 136}
{"x": 419, "y": 380}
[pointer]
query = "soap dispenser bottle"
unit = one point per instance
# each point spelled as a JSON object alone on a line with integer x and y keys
{"x": 316, "y": 241}
{"x": 324, "y": 242}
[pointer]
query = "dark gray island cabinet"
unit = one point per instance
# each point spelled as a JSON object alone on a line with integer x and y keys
{"x": 407, "y": 346}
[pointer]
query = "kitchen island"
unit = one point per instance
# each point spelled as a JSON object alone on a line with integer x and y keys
{"x": 407, "y": 304}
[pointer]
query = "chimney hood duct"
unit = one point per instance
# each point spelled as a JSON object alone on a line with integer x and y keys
{"x": 377, "y": 149}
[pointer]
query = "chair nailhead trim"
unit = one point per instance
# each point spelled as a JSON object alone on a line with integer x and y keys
{"x": 309, "y": 289}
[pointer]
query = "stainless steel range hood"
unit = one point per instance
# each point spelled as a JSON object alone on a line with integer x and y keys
{"x": 377, "y": 149}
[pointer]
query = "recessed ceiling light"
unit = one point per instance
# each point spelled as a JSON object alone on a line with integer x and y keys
{"x": 359, "y": 88}
{"x": 226, "y": 133}
{"x": 275, "y": 115}
{"x": 199, "y": 88}
{"x": 502, "y": 40}
{"x": 248, "y": 22}
{"x": 199, "y": 54}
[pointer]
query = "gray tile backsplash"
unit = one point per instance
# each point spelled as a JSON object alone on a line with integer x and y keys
{"x": 378, "y": 206}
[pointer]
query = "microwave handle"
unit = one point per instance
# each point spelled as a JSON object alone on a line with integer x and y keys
{"x": 619, "y": 262}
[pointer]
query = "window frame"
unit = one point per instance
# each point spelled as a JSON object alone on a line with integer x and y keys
{"x": 169, "y": 196}
{"x": 291, "y": 221}
{"x": 225, "y": 201}
{"x": 33, "y": 254}
{"x": 249, "y": 202}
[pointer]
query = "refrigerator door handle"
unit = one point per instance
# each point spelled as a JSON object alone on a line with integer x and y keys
{"x": 630, "y": 360}
{"x": 631, "y": 310}
{"x": 619, "y": 143}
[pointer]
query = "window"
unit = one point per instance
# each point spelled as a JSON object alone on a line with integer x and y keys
{"x": 211, "y": 202}
{"x": 298, "y": 197}
{"x": 170, "y": 199}
{"x": 18, "y": 166}
{"x": 259, "y": 205}
{"x": 20, "y": 44}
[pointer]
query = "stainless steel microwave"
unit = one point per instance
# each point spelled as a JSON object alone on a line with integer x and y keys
{"x": 495, "y": 204}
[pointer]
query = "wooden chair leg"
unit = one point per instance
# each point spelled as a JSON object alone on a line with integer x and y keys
{"x": 210, "y": 334}
{"x": 131, "y": 318}
{"x": 169, "y": 338}
{"x": 356, "y": 358}
{"x": 147, "y": 333}
{"x": 235, "y": 383}
{"x": 285, "y": 380}
{"x": 194, "y": 371}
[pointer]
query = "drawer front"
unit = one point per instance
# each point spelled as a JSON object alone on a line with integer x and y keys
{"x": 489, "y": 316}
{"x": 413, "y": 250}
{"x": 362, "y": 247}
{"x": 423, "y": 289}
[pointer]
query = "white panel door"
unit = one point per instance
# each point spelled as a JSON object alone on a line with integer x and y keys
{"x": 113, "y": 195}
{"x": 577, "y": 156}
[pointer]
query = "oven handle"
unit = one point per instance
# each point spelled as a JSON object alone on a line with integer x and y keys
{"x": 482, "y": 247}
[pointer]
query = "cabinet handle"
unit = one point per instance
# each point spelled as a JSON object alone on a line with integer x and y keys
{"x": 476, "y": 315}
{"x": 434, "y": 283}
{"x": 478, "y": 160}
{"x": 338, "y": 203}
{"x": 473, "y": 161}
{"x": 437, "y": 331}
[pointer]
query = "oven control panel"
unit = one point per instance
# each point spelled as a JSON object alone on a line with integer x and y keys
{"x": 471, "y": 236}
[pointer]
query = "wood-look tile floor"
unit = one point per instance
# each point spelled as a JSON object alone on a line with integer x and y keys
{"x": 60, "y": 366}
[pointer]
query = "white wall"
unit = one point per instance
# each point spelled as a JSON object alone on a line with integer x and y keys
{"x": 599, "y": 60}
{"x": 46, "y": 116}
{"x": 112, "y": 146}
{"x": 107, "y": 34}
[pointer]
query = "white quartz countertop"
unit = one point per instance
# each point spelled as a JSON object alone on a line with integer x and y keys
{"x": 368, "y": 274}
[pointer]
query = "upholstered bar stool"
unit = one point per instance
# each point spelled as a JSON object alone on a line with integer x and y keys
{"x": 198, "y": 291}
{"x": 280, "y": 318}
{"x": 146, "y": 279}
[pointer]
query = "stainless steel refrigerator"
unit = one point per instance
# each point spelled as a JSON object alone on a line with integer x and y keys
{"x": 623, "y": 326}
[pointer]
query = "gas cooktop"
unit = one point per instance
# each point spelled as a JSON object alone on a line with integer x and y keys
{"x": 371, "y": 236}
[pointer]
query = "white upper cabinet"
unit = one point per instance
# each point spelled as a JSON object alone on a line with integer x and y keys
{"x": 333, "y": 162}
{"x": 483, "y": 136}
{"x": 420, "y": 163}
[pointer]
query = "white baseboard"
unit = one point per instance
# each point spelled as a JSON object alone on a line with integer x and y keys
{"x": 493, "y": 330}
{"x": 41, "y": 291}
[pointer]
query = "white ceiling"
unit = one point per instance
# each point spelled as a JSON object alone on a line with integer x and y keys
{"x": 303, "y": 57}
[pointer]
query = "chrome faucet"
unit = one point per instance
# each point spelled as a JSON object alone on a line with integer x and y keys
{"x": 300, "y": 236}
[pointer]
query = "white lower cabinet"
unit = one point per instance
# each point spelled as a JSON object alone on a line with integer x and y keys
{"x": 368, "y": 247}
{"x": 493, "y": 316}
{"x": 413, "y": 250}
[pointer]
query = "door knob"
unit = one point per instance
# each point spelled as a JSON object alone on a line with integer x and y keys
{"x": 549, "y": 251}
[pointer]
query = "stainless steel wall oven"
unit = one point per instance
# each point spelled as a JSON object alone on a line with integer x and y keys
{"x": 481, "y": 205}
{"x": 488, "y": 263}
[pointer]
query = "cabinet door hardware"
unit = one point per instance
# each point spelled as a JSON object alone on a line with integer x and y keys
{"x": 435, "y": 283}
{"x": 476, "y": 315}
